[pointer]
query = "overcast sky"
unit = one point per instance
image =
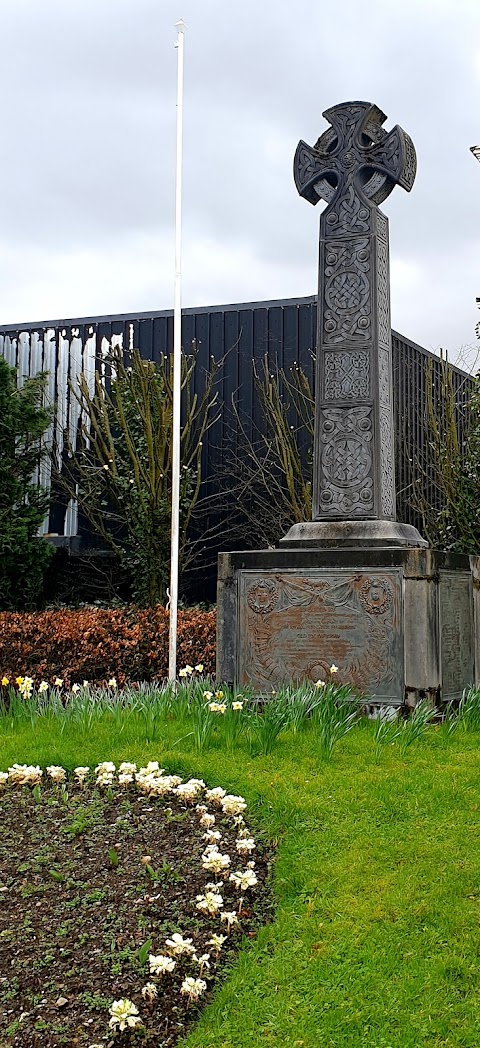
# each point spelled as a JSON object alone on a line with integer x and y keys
{"x": 87, "y": 177}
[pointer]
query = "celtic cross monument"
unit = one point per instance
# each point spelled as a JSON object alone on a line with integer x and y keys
{"x": 353, "y": 167}
{"x": 352, "y": 586}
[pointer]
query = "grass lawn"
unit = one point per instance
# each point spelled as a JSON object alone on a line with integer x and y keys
{"x": 375, "y": 938}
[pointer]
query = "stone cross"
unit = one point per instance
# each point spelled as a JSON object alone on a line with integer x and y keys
{"x": 353, "y": 167}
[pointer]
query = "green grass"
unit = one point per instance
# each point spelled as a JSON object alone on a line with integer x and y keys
{"x": 377, "y": 880}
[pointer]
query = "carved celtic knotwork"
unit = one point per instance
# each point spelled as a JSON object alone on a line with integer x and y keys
{"x": 346, "y": 460}
{"x": 383, "y": 289}
{"x": 347, "y": 375}
{"x": 347, "y": 291}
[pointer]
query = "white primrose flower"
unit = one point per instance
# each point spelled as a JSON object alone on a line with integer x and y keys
{"x": 3, "y": 779}
{"x": 216, "y": 795}
{"x": 149, "y": 992}
{"x": 193, "y": 987}
{"x": 213, "y": 860}
{"x": 25, "y": 774}
{"x": 126, "y": 773}
{"x": 212, "y": 836}
{"x": 214, "y": 886}
{"x": 56, "y": 774}
{"x": 81, "y": 774}
{"x": 232, "y": 805}
{"x": 207, "y": 820}
{"x": 178, "y": 945}
{"x": 239, "y": 820}
{"x": 245, "y": 845}
{"x": 203, "y": 962}
{"x": 217, "y": 942}
{"x": 124, "y": 1014}
{"x": 230, "y": 917}
{"x": 189, "y": 790}
{"x": 244, "y": 879}
{"x": 160, "y": 964}
{"x": 105, "y": 768}
{"x": 211, "y": 902}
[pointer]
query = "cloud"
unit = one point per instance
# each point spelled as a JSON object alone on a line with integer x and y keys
{"x": 87, "y": 178}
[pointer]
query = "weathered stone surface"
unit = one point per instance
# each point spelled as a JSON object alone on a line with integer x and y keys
{"x": 456, "y": 632}
{"x": 338, "y": 533}
{"x": 380, "y": 615}
{"x": 294, "y": 625}
{"x": 354, "y": 166}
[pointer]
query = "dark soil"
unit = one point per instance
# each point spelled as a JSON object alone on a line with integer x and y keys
{"x": 77, "y": 904}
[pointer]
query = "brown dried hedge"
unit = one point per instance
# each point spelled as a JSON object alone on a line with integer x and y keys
{"x": 95, "y": 644}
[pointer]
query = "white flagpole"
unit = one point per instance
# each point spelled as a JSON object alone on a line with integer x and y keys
{"x": 177, "y": 365}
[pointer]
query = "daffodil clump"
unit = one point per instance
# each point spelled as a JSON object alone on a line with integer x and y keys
{"x": 188, "y": 956}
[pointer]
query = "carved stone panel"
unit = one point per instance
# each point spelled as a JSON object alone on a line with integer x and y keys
{"x": 346, "y": 482}
{"x": 347, "y": 375}
{"x": 456, "y": 633}
{"x": 294, "y": 624}
{"x": 347, "y": 291}
{"x": 383, "y": 282}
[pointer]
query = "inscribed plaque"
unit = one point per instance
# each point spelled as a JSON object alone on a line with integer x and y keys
{"x": 294, "y": 624}
{"x": 456, "y": 633}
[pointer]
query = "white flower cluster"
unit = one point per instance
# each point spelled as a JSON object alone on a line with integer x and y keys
{"x": 24, "y": 775}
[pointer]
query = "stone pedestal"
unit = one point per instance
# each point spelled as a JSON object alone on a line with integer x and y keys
{"x": 401, "y": 624}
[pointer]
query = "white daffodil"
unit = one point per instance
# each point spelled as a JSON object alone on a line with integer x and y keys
{"x": 208, "y": 695}
{"x": 75, "y": 688}
{"x": 124, "y": 1014}
{"x": 43, "y": 687}
{"x": 112, "y": 683}
{"x": 199, "y": 667}
{"x": 237, "y": 705}
{"x": 319, "y": 684}
{"x": 160, "y": 964}
{"x": 58, "y": 682}
{"x": 3, "y": 779}
{"x": 333, "y": 668}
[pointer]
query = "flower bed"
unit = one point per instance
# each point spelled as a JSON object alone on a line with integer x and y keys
{"x": 123, "y": 895}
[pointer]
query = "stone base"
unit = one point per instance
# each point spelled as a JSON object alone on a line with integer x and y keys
{"x": 401, "y": 624}
{"x": 337, "y": 534}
